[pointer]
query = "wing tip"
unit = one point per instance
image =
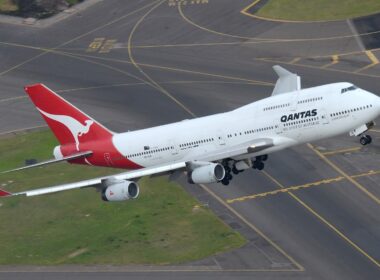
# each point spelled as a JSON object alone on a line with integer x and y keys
{"x": 4, "y": 193}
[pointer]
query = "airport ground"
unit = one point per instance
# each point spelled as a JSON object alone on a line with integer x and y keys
{"x": 312, "y": 214}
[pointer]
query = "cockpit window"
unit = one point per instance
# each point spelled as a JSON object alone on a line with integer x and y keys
{"x": 348, "y": 89}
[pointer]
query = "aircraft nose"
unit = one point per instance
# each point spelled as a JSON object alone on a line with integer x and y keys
{"x": 377, "y": 104}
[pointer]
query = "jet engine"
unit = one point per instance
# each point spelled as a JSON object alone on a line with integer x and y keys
{"x": 209, "y": 173}
{"x": 121, "y": 191}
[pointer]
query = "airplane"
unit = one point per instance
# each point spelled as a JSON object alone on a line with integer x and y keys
{"x": 209, "y": 149}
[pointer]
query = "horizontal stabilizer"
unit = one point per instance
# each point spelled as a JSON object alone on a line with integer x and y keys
{"x": 71, "y": 157}
{"x": 4, "y": 193}
{"x": 287, "y": 81}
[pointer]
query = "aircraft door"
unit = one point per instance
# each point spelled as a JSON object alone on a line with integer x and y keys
{"x": 278, "y": 126}
{"x": 220, "y": 139}
{"x": 325, "y": 117}
{"x": 173, "y": 148}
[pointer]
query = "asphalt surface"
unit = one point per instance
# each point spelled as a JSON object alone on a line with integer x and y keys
{"x": 148, "y": 63}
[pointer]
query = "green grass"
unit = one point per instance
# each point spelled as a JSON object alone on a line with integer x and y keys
{"x": 73, "y": 2}
{"x": 164, "y": 225}
{"x": 7, "y": 6}
{"x": 309, "y": 10}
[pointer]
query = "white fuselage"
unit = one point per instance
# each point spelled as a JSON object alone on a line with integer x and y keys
{"x": 287, "y": 119}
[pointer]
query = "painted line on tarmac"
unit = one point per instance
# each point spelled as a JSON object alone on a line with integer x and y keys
{"x": 334, "y": 60}
{"x": 300, "y": 187}
{"x": 326, "y": 222}
{"x": 270, "y": 60}
{"x": 374, "y": 61}
{"x": 253, "y": 227}
{"x": 187, "y": 71}
{"x": 154, "y": 83}
{"x": 13, "y": 98}
{"x": 344, "y": 174}
{"x": 342, "y": 151}
{"x": 285, "y": 190}
{"x": 46, "y": 51}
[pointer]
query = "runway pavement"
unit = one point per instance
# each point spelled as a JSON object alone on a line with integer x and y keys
{"x": 312, "y": 214}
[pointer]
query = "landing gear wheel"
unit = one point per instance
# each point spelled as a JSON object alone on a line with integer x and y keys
{"x": 365, "y": 140}
{"x": 235, "y": 171}
{"x": 263, "y": 157}
{"x": 227, "y": 168}
{"x": 257, "y": 164}
{"x": 260, "y": 165}
{"x": 225, "y": 182}
{"x": 228, "y": 176}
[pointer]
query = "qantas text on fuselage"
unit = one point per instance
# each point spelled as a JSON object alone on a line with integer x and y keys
{"x": 299, "y": 115}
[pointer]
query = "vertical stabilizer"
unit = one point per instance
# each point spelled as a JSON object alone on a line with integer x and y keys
{"x": 69, "y": 124}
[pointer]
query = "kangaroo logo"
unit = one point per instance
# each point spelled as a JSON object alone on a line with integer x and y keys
{"x": 76, "y": 128}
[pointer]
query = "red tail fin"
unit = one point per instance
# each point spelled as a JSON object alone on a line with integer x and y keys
{"x": 68, "y": 123}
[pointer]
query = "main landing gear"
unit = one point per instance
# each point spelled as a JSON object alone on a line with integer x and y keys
{"x": 258, "y": 163}
{"x": 365, "y": 139}
{"x": 228, "y": 177}
{"x": 236, "y": 167}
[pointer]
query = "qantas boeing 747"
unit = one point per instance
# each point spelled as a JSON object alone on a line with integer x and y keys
{"x": 208, "y": 149}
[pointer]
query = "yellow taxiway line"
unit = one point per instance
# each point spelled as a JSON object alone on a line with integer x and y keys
{"x": 326, "y": 222}
{"x": 334, "y": 60}
{"x": 253, "y": 227}
{"x": 299, "y": 187}
{"x": 341, "y": 151}
{"x": 374, "y": 61}
{"x": 344, "y": 174}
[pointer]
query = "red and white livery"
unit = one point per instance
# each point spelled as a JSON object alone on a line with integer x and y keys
{"x": 209, "y": 149}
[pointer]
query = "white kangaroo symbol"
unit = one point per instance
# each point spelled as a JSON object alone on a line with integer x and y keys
{"x": 76, "y": 128}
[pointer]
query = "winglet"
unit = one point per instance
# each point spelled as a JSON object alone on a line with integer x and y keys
{"x": 4, "y": 193}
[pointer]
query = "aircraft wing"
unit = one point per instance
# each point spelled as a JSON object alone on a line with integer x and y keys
{"x": 287, "y": 81}
{"x": 98, "y": 181}
{"x": 257, "y": 145}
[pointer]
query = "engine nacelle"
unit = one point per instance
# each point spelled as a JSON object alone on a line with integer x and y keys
{"x": 121, "y": 191}
{"x": 210, "y": 173}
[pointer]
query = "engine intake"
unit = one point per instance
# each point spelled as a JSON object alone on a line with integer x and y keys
{"x": 121, "y": 191}
{"x": 210, "y": 173}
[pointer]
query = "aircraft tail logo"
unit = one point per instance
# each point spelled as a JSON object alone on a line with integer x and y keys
{"x": 76, "y": 128}
{"x": 69, "y": 124}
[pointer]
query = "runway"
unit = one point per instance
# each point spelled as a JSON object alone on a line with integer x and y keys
{"x": 314, "y": 211}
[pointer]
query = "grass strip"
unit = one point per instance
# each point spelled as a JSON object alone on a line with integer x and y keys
{"x": 164, "y": 225}
{"x": 316, "y": 10}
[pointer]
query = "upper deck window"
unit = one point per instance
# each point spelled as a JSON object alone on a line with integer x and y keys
{"x": 348, "y": 89}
